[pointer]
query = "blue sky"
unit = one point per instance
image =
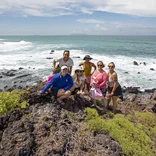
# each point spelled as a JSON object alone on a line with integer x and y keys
{"x": 65, "y": 17}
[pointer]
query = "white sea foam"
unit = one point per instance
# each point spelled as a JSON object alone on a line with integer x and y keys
{"x": 34, "y": 57}
{"x": 14, "y": 46}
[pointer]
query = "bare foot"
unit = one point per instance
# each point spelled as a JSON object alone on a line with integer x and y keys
{"x": 60, "y": 101}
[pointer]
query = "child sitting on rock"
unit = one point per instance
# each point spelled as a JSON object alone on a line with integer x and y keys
{"x": 79, "y": 82}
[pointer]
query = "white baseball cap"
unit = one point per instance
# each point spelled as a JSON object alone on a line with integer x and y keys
{"x": 79, "y": 68}
{"x": 64, "y": 67}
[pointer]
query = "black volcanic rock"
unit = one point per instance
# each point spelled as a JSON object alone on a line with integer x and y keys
{"x": 151, "y": 68}
{"x": 45, "y": 128}
{"x": 19, "y": 77}
{"x": 135, "y": 63}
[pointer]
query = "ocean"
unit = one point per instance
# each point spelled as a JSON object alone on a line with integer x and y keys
{"x": 31, "y": 53}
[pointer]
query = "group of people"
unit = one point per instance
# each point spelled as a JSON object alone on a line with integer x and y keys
{"x": 87, "y": 80}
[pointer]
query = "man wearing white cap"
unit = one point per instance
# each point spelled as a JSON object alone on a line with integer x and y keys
{"x": 61, "y": 84}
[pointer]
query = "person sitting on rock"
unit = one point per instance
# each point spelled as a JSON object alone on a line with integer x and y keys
{"x": 87, "y": 66}
{"x": 99, "y": 80}
{"x": 79, "y": 82}
{"x": 114, "y": 88}
{"x": 65, "y": 60}
{"x": 61, "y": 84}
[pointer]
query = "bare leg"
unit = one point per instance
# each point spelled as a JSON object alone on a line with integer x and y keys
{"x": 104, "y": 102}
{"x": 114, "y": 99}
{"x": 108, "y": 99}
{"x": 72, "y": 88}
{"x": 63, "y": 94}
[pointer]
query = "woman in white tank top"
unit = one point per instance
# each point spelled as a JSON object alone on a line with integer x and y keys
{"x": 114, "y": 88}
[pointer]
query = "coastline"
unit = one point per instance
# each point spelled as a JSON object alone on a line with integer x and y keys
{"x": 20, "y": 78}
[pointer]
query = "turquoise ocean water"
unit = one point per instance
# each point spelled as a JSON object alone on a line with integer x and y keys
{"x": 31, "y": 52}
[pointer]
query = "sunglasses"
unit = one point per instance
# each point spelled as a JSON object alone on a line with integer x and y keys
{"x": 111, "y": 66}
{"x": 79, "y": 71}
{"x": 99, "y": 65}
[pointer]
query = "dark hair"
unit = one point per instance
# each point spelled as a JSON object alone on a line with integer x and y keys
{"x": 112, "y": 64}
{"x": 66, "y": 51}
{"x": 101, "y": 63}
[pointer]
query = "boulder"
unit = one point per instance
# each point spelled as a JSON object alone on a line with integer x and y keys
{"x": 76, "y": 57}
{"x": 135, "y": 63}
{"x": 49, "y": 57}
{"x": 131, "y": 97}
{"x": 134, "y": 90}
{"x": 151, "y": 68}
{"x": 154, "y": 95}
{"x": 52, "y": 51}
{"x": 144, "y": 63}
{"x": 126, "y": 72}
{"x": 20, "y": 68}
{"x": 154, "y": 108}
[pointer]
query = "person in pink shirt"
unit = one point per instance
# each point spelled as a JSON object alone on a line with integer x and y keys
{"x": 99, "y": 78}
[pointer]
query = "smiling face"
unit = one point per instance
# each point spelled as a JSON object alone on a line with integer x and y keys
{"x": 100, "y": 65}
{"x": 111, "y": 66}
{"x": 66, "y": 55}
{"x": 87, "y": 59}
{"x": 79, "y": 72}
{"x": 64, "y": 71}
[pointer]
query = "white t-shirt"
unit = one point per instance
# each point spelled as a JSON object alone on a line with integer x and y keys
{"x": 81, "y": 79}
{"x": 68, "y": 63}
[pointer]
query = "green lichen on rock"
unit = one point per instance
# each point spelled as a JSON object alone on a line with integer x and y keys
{"x": 91, "y": 113}
{"x": 133, "y": 140}
{"x": 148, "y": 120}
{"x": 11, "y": 100}
{"x": 70, "y": 115}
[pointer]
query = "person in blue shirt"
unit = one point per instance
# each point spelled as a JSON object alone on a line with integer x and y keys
{"x": 61, "y": 84}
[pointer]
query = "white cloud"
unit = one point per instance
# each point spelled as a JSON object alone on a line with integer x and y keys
{"x": 41, "y": 13}
{"x": 89, "y": 21}
{"x": 99, "y": 27}
{"x": 52, "y": 7}
{"x": 86, "y": 10}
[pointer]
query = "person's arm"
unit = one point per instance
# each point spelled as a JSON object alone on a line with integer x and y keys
{"x": 105, "y": 79}
{"x": 55, "y": 61}
{"x": 54, "y": 64}
{"x": 70, "y": 69}
{"x": 75, "y": 80}
{"x": 114, "y": 77}
{"x": 93, "y": 84}
{"x": 94, "y": 66}
{"x": 71, "y": 66}
{"x": 70, "y": 83}
{"x": 49, "y": 84}
{"x": 81, "y": 64}
{"x": 82, "y": 85}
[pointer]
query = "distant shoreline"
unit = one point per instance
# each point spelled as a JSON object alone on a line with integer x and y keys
{"x": 76, "y": 35}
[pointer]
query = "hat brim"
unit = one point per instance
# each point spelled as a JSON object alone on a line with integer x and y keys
{"x": 78, "y": 70}
{"x": 64, "y": 68}
{"x": 87, "y": 58}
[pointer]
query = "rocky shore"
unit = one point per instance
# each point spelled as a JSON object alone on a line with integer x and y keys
{"x": 45, "y": 128}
